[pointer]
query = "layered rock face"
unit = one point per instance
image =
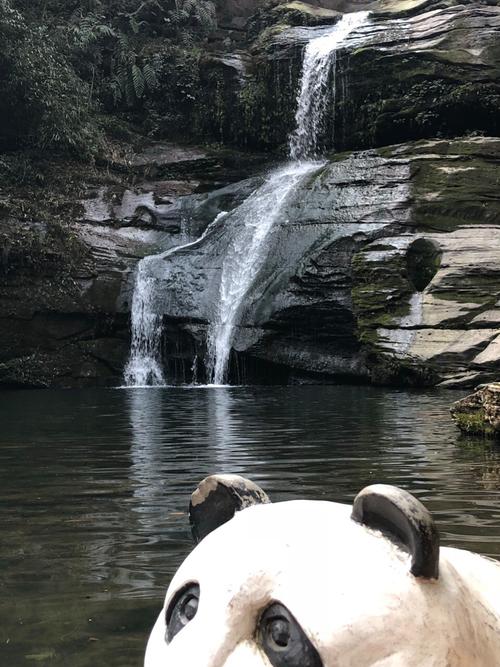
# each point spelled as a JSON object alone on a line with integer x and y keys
{"x": 423, "y": 69}
{"x": 66, "y": 291}
{"x": 441, "y": 282}
{"x": 385, "y": 266}
{"x": 479, "y": 413}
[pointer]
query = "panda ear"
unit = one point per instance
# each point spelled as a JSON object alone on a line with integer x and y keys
{"x": 217, "y": 499}
{"x": 400, "y": 516}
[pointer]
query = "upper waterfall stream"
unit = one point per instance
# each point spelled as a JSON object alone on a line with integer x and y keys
{"x": 250, "y": 224}
{"x": 319, "y": 63}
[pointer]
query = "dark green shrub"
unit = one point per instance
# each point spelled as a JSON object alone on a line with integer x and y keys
{"x": 43, "y": 103}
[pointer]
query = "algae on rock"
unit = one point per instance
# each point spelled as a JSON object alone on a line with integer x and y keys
{"x": 479, "y": 413}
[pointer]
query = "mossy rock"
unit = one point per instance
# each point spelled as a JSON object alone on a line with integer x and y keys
{"x": 479, "y": 413}
{"x": 381, "y": 291}
{"x": 388, "y": 370}
{"x": 289, "y": 14}
{"x": 304, "y": 14}
{"x": 473, "y": 423}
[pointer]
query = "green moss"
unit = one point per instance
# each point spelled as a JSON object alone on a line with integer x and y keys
{"x": 381, "y": 292}
{"x": 472, "y": 288}
{"x": 389, "y": 370}
{"x": 397, "y": 97}
{"x": 268, "y": 35}
{"x": 473, "y": 423}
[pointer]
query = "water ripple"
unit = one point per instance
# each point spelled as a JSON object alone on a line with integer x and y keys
{"x": 95, "y": 487}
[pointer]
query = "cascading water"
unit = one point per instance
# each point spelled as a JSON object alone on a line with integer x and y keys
{"x": 144, "y": 365}
{"x": 251, "y": 225}
{"x": 320, "y": 59}
{"x": 245, "y": 257}
{"x": 248, "y": 250}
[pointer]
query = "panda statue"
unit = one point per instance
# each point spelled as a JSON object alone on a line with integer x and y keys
{"x": 321, "y": 584}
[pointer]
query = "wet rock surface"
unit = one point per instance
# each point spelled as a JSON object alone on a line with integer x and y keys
{"x": 66, "y": 289}
{"x": 385, "y": 267}
{"x": 479, "y": 413}
{"x": 419, "y": 69}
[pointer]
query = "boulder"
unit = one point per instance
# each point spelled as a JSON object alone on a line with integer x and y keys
{"x": 479, "y": 413}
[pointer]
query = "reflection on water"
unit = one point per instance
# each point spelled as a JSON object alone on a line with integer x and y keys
{"x": 95, "y": 487}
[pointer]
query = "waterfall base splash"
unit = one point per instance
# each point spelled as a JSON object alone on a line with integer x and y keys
{"x": 144, "y": 365}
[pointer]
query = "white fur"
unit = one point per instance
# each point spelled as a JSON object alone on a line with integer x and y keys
{"x": 349, "y": 587}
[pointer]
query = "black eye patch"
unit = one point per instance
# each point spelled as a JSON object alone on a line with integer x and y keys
{"x": 283, "y": 640}
{"x": 181, "y": 609}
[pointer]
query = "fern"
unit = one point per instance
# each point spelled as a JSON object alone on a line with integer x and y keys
{"x": 135, "y": 25}
{"x": 116, "y": 90}
{"x": 198, "y": 13}
{"x": 205, "y": 14}
{"x": 138, "y": 81}
{"x": 187, "y": 39}
{"x": 123, "y": 47}
{"x": 91, "y": 29}
{"x": 150, "y": 75}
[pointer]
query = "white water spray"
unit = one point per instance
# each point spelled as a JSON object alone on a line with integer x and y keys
{"x": 144, "y": 367}
{"x": 319, "y": 64}
{"x": 248, "y": 249}
{"x": 144, "y": 364}
{"x": 245, "y": 257}
{"x": 252, "y": 224}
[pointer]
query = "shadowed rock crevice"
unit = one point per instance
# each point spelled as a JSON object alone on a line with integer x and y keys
{"x": 423, "y": 259}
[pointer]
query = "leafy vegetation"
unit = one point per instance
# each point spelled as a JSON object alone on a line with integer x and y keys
{"x": 43, "y": 102}
{"x": 64, "y": 64}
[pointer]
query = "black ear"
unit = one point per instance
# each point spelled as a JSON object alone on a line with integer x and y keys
{"x": 216, "y": 500}
{"x": 402, "y": 517}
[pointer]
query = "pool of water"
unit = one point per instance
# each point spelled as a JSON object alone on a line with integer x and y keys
{"x": 94, "y": 488}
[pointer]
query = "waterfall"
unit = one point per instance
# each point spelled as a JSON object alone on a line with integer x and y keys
{"x": 144, "y": 364}
{"x": 249, "y": 226}
{"x": 144, "y": 367}
{"x": 314, "y": 96}
{"x": 248, "y": 249}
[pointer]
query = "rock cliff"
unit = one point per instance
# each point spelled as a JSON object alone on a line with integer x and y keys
{"x": 66, "y": 285}
{"x": 384, "y": 269}
{"x": 419, "y": 69}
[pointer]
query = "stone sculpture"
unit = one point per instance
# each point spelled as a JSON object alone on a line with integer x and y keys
{"x": 321, "y": 584}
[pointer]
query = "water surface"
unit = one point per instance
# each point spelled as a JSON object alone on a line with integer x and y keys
{"x": 94, "y": 487}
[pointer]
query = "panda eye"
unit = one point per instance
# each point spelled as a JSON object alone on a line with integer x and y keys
{"x": 283, "y": 640}
{"x": 181, "y": 610}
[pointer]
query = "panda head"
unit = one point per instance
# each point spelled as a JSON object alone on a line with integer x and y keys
{"x": 300, "y": 583}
